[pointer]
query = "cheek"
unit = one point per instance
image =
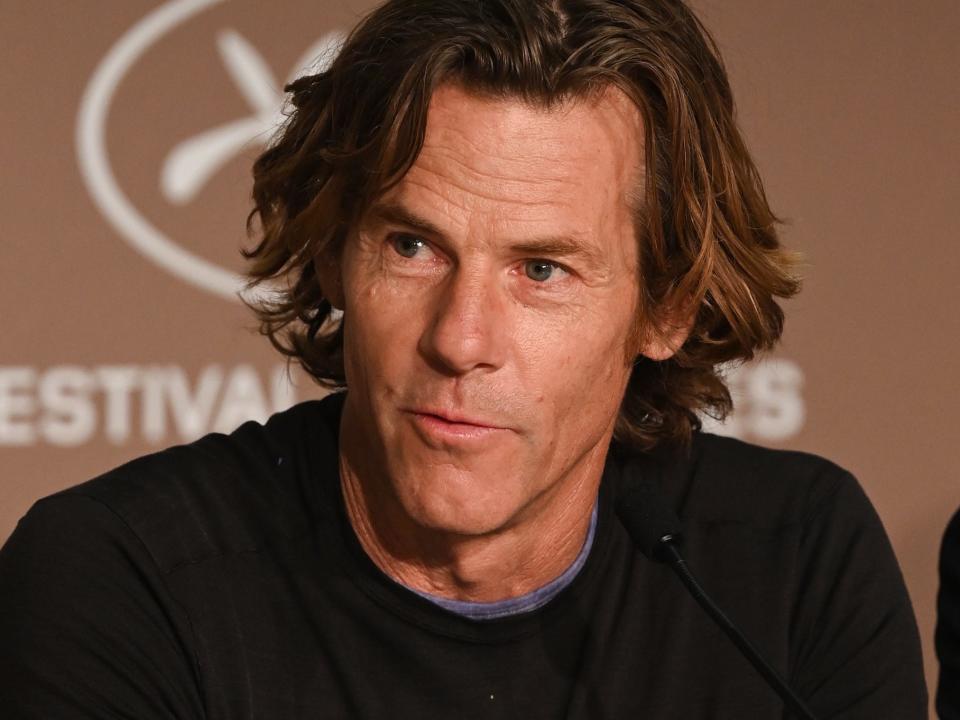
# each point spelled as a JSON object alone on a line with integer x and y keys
{"x": 380, "y": 330}
{"x": 577, "y": 367}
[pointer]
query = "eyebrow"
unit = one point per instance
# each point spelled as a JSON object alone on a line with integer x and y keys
{"x": 397, "y": 214}
{"x": 387, "y": 212}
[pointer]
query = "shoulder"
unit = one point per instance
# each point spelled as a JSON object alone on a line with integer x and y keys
{"x": 222, "y": 494}
{"x": 727, "y": 480}
{"x": 949, "y": 568}
{"x": 951, "y": 537}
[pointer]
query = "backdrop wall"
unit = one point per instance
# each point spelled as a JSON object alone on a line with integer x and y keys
{"x": 128, "y": 128}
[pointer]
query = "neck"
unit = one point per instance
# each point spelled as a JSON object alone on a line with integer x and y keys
{"x": 537, "y": 546}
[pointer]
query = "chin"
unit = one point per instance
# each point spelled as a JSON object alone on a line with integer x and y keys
{"x": 456, "y": 501}
{"x": 466, "y": 489}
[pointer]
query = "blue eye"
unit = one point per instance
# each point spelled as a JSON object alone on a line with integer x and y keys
{"x": 407, "y": 245}
{"x": 539, "y": 270}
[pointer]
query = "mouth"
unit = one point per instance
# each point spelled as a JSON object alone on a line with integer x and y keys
{"x": 444, "y": 426}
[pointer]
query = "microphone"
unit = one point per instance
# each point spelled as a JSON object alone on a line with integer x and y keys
{"x": 655, "y": 530}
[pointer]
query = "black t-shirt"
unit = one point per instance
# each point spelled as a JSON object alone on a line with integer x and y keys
{"x": 221, "y": 579}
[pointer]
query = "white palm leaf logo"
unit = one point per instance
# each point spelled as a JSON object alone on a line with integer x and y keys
{"x": 193, "y": 162}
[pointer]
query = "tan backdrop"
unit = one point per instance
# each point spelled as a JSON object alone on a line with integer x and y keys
{"x": 128, "y": 130}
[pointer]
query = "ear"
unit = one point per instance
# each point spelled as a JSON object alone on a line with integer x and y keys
{"x": 331, "y": 281}
{"x": 670, "y": 334}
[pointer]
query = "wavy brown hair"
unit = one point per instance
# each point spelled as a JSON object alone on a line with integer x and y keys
{"x": 706, "y": 234}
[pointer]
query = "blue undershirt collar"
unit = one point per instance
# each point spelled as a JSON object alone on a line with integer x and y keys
{"x": 525, "y": 603}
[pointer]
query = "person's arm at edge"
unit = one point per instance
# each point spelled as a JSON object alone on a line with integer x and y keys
{"x": 948, "y": 623}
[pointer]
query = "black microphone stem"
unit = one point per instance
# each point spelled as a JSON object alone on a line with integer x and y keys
{"x": 671, "y": 555}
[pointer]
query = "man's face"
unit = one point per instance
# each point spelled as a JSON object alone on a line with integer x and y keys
{"x": 489, "y": 301}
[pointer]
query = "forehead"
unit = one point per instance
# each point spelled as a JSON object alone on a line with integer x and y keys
{"x": 504, "y": 161}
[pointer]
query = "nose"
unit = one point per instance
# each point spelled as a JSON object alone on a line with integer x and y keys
{"x": 470, "y": 328}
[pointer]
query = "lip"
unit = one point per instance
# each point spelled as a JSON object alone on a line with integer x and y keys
{"x": 439, "y": 425}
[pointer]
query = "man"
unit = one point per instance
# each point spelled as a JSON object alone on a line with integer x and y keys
{"x": 522, "y": 235}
